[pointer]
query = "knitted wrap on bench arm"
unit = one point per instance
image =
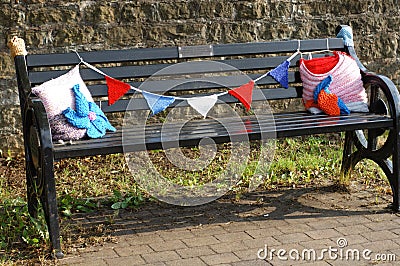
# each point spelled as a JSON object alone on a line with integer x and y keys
{"x": 17, "y": 46}
{"x": 346, "y": 82}
{"x": 346, "y": 33}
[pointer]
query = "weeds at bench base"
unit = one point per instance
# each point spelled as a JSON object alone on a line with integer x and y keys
{"x": 103, "y": 184}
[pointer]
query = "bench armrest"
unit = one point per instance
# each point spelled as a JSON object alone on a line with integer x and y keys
{"x": 371, "y": 79}
{"x": 36, "y": 116}
{"x": 388, "y": 88}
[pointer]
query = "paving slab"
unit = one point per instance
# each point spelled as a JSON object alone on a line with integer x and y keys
{"x": 295, "y": 231}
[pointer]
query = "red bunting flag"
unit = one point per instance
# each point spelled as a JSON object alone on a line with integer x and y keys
{"x": 116, "y": 89}
{"x": 244, "y": 94}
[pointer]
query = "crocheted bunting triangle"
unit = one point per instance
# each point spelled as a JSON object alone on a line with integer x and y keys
{"x": 244, "y": 94}
{"x": 280, "y": 74}
{"x": 203, "y": 104}
{"x": 116, "y": 89}
{"x": 157, "y": 103}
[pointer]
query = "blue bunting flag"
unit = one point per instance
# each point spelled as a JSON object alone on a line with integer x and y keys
{"x": 281, "y": 74}
{"x": 157, "y": 103}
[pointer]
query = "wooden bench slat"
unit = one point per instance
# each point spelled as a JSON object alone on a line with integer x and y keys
{"x": 209, "y": 127}
{"x": 265, "y": 123}
{"x": 122, "y": 72}
{"x": 165, "y": 53}
{"x": 277, "y": 47}
{"x": 110, "y": 56}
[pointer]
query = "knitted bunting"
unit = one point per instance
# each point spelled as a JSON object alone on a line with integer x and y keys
{"x": 244, "y": 94}
{"x": 280, "y": 74}
{"x": 157, "y": 103}
{"x": 203, "y": 104}
{"x": 116, "y": 89}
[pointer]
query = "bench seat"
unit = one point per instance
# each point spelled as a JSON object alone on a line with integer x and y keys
{"x": 284, "y": 125}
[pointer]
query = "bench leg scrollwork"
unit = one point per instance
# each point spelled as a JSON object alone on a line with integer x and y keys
{"x": 379, "y": 145}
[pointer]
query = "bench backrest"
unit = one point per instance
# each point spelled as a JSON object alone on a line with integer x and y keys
{"x": 134, "y": 66}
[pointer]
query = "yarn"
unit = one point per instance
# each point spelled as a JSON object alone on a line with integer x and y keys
{"x": 244, "y": 94}
{"x": 116, "y": 89}
{"x": 17, "y": 46}
{"x": 62, "y": 130}
{"x": 327, "y": 101}
{"x": 346, "y": 33}
{"x": 157, "y": 103}
{"x": 56, "y": 96}
{"x": 87, "y": 116}
{"x": 346, "y": 81}
{"x": 280, "y": 74}
{"x": 321, "y": 65}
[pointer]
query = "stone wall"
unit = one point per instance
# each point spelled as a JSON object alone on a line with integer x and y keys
{"x": 85, "y": 25}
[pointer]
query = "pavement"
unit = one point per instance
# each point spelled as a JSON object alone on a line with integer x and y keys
{"x": 318, "y": 226}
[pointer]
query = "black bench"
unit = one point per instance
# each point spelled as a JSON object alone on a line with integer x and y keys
{"x": 362, "y": 129}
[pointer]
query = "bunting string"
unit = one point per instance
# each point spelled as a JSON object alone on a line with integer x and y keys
{"x": 202, "y": 104}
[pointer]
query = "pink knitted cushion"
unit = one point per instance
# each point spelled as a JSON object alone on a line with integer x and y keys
{"x": 57, "y": 95}
{"x": 346, "y": 83}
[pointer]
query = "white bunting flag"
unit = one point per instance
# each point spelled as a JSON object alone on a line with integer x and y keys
{"x": 203, "y": 104}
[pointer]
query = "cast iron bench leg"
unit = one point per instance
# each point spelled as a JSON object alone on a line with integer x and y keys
{"x": 49, "y": 203}
{"x": 31, "y": 164}
{"x": 41, "y": 149}
{"x": 346, "y": 168}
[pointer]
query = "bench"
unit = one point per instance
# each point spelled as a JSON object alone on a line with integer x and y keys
{"x": 253, "y": 59}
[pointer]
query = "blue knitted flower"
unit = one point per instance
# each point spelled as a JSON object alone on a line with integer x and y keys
{"x": 87, "y": 115}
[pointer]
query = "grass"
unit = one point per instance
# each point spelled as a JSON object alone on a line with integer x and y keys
{"x": 105, "y": 182}
{"x": 301, "y": 163}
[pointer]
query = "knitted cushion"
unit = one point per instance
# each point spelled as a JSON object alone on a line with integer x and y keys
{"x": 62, "y": 130}
{"x": 57, "y": 95}
{"x": 346, "y": 80}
